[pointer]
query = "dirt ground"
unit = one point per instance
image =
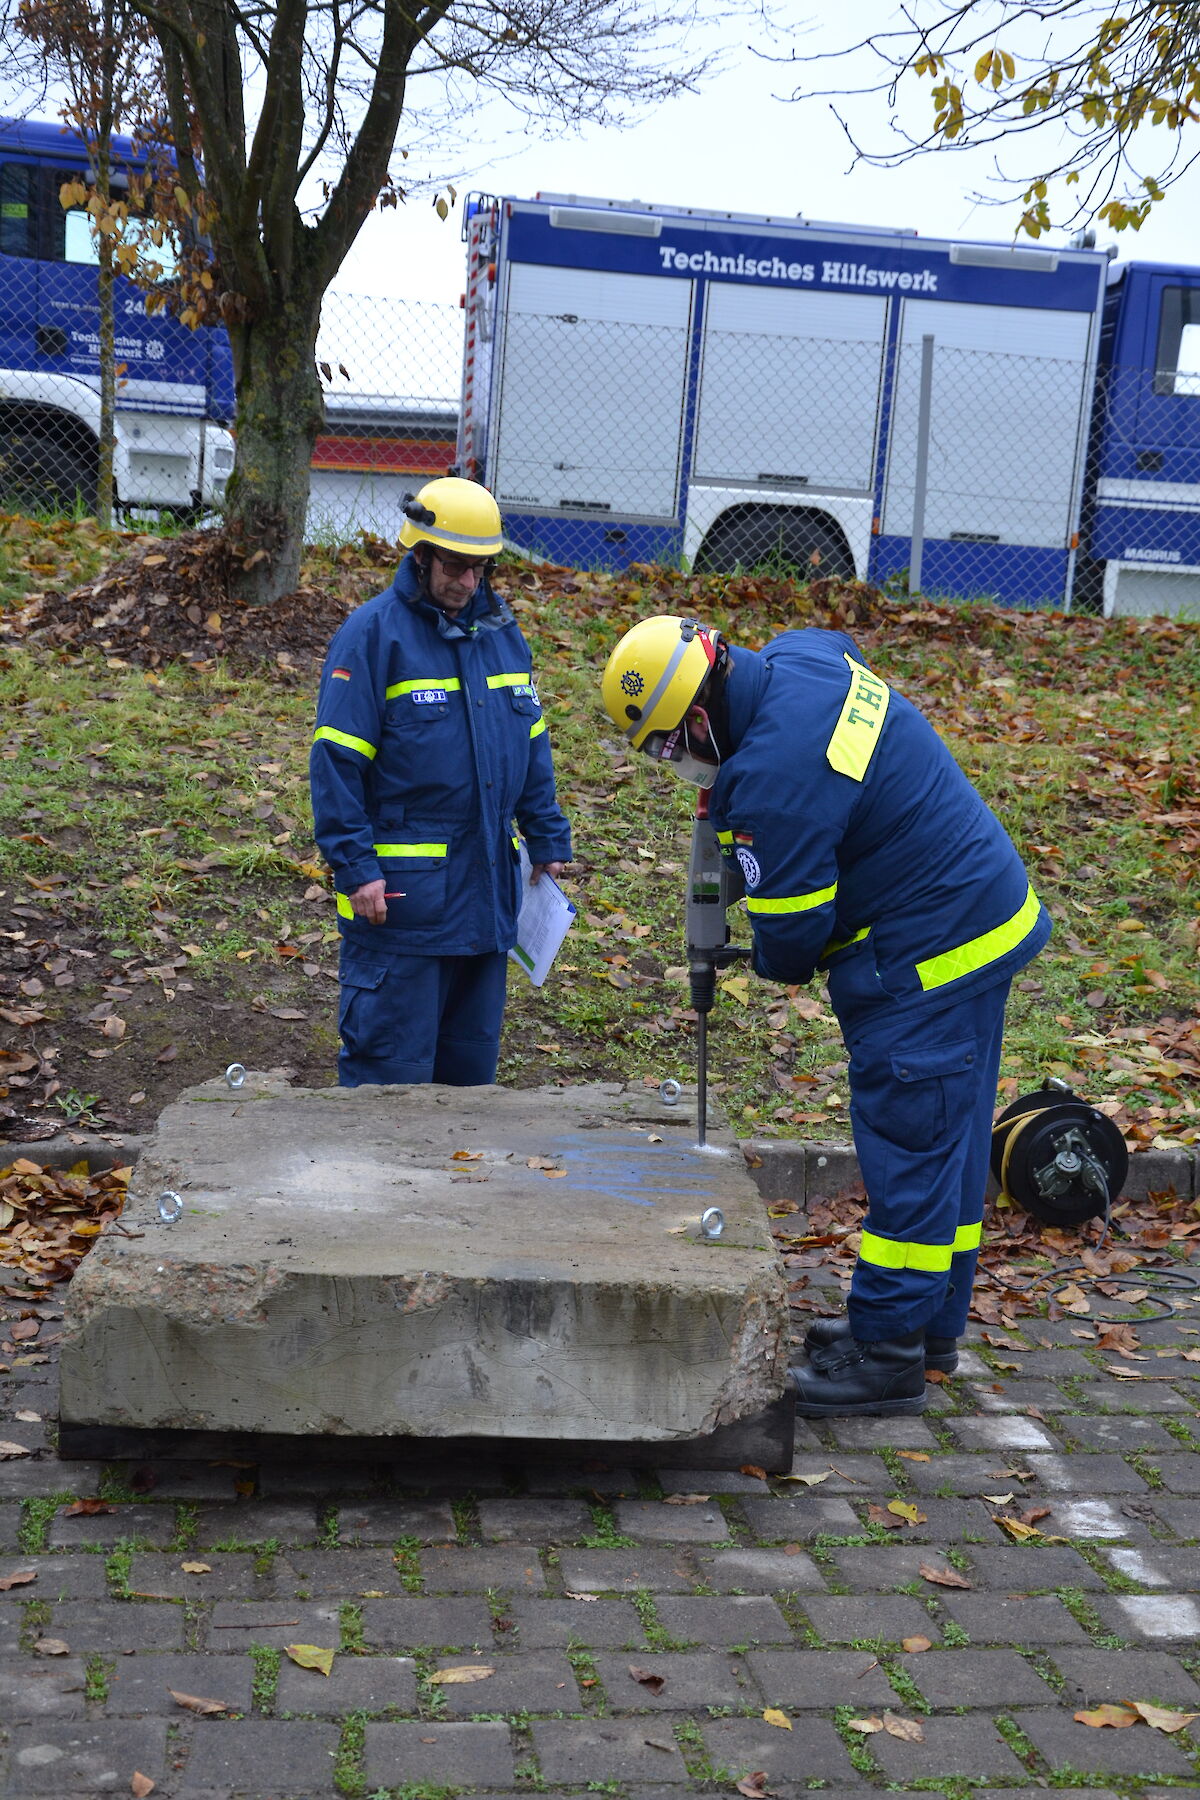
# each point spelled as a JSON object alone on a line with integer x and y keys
{"x": 101, "y": 1045}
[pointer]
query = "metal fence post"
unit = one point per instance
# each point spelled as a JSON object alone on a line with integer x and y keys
{"x": 921, "y": 472}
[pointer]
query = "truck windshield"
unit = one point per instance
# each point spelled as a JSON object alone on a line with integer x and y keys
{"x": 79, "y": 243}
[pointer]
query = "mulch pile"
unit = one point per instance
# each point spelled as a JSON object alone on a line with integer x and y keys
{"x": 170, "y": 601}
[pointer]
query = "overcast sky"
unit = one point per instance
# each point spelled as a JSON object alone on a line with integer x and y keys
{"x": 735, "y": 145}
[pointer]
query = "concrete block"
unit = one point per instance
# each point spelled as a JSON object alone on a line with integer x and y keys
{"x": 430, "y": 1262}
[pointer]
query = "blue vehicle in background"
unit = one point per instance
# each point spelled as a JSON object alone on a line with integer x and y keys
{"x": 173, "y": 452}
{"x": 725, "y": 390}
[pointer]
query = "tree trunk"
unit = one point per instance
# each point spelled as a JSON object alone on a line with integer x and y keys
{"x": 281, "y": 408}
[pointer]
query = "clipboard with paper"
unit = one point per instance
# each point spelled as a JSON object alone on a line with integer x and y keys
{"x": 543, "y": 922}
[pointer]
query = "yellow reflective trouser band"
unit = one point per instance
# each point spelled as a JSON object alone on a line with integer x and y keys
{"x": 724, "y": 837}
{"x": 856, "y": 733}
{"x": 537, "y": 729}
{"x": 499, "y": 681}
{"x": 930, "y": 1259}
{"x": 345, "y": 910}
{"x": 890, "y": 1253}
{"x": 410, "y": 849}
{"x": 449, "y": 684}
{"x": 791, "y": 902}
{"x": 345, "y": 740}
{"x": 951, "y": 965}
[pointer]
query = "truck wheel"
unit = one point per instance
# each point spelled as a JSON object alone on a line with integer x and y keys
{"x": 38, "y": 475}
{"x": 778, "y": 542}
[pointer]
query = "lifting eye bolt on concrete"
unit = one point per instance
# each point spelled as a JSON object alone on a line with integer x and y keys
{"x": 235, "y": 1075}
{"x": 712, "y": 1223}
{"x": 170, "y": 1206}
{"x": 669, "y": 1091}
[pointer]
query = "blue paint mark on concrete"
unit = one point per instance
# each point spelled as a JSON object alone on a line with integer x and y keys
{"x": 639, "y": 1173}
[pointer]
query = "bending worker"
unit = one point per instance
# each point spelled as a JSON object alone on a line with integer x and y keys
{"x": 430, "y": 741}
{"x": 867, "y": 855}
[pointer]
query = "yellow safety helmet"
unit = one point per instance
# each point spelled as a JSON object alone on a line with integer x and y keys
{"x": 653, "y": 677}
{"x": 455, "y": 515}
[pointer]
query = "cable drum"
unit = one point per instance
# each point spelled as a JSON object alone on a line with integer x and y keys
{"x": 1060, "y": 1159}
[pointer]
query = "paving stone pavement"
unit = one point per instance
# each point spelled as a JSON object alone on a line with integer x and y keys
{"x": 923, "y": 1605}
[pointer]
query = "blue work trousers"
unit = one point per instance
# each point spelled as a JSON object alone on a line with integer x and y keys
{"x": 922, "y": 1101}
{"x": 419, "y": 1018}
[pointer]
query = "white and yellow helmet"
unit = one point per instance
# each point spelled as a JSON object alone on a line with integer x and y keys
{"x": 455, "y": 515}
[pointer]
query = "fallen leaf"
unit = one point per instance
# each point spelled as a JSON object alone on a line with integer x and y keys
{"x": 685, "y": 1499}
{"x": 1072, "y": 1298}
{"x": 761, "y": 1474}
{"x": 866, "y": 1726}
{"x": 1016, "y": 1528}
{"x": 806, "y": 1480}
{"x": 24, "y": 1329}
{"x": 196, "y": 1568}
{"x": 909, "y": 1730}
{"x": 998, "y": 1499}
{"x": 879, "y": 1515}
{"x": 27, "y": 1417}
{"x": 904, "y": 1509}
{"x": 311, "y": 1656}
{"x": 21, "y": 1578}
{"x": 773, "y": 1716}
{"x": 87, "y": 1508}
{"x": 754, "y": 1787}
{"x": 467, "y": 1156}
{"x": 140, "y": 1785}
{"x": 648, "y": 1678}
{"x": 1162, "y": 1718}
{"x": 914, "y": 1455}
{"x": 1116, "y": 1716}
{"x": 943, "y": 1577}
{"x": 453, "y": 1677}
{"x": 51, "y": 1647}
{"x": 12, "y": 1450}
{"x": 205, "y": 1708}
{"x": 915, "y": 1645}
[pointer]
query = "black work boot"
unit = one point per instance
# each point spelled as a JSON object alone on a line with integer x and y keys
{"x": 824, "y": 1335}
{"x": 886, "y": 1376}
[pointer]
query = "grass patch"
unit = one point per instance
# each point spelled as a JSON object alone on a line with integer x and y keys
{"x": 267, "y": 1660}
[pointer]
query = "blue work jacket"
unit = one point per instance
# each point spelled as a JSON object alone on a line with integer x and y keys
{"x": 430, "y": 741}
{"x": 859, "y": 837}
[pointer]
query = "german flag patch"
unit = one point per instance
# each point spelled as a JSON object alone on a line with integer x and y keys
{"x": 341, "y": 674}
{"x": 743, "y": 837}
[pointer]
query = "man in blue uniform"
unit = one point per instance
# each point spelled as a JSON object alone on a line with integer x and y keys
{"x": 868, "y": 855}
{"x": 430, "y": 741}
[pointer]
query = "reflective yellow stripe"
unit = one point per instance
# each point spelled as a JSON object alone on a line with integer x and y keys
{"x": 791, "y": 902}
{"x": 502, "y": 681}
{"x": 345, "y": 740}
{"x": 345, "y": 910}
{"x": 537, "y": 729}
{"x": 967, "y": 1237}
{"x": 860, "y": 723}
{"x": 725, "y": 837}
{"x": 891, "y": 1253}
{"x": 410, "y": 849}
{"x": 978, "y": 952}
{"x": 836, "y": 944}
{"x": 449, "y": 684}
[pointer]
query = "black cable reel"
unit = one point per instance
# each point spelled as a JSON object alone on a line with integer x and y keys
{"x": 1060, "y": 1159}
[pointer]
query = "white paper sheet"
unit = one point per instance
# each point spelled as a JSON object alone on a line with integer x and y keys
{"x": 544, "y": 921}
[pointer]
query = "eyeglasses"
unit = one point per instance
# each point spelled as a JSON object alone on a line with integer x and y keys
{"x": 458, "y": 567}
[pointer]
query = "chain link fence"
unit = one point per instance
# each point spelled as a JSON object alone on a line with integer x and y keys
{"x": 906, "y": 458}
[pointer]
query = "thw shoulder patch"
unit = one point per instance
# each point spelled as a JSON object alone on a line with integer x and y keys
{"x": 860, "y": 722}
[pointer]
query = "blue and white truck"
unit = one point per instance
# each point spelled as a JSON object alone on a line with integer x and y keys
{"x": 648, "y": 382}
{"x": 173, "y": 450}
